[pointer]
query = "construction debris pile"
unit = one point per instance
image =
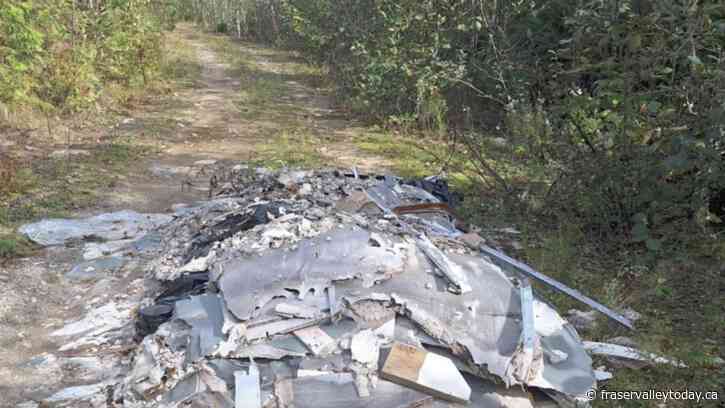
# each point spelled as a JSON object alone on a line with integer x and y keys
{"x": 321, "y": 289}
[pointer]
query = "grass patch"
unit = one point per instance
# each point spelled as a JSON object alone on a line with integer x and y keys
{"x": 14, "y": 246}
{"x": 290, "y": 149}
{"x": 181, "y": 63}
{"x": 419, "y": 156}
{"x": 52, "y": 188}
{"x": 269, "y": 80}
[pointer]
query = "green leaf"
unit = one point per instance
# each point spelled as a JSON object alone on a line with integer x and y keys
{"x": 695, "y": 60}
{"x": 653, "y": 107}
{"x": 640, "y": 233}
{"x": 654, "y": 244}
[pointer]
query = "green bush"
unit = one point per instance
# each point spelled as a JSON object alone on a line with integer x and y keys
{"x": 616, "y": 107}
{"x": 57, "y": 55}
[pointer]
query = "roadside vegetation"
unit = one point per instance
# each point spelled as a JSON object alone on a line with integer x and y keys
{"x": 69, "y": 71}
{"x": 596, "y": 129}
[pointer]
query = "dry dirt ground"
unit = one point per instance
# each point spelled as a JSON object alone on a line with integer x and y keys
{"x": 226, "y": 117}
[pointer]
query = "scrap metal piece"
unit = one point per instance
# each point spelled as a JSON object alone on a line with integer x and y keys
{"x": 277, "y": 327}
{"x": 247, "y": 393}
{"x": 452, "y": 271}
{"x": 332, "y": 301}
{"x": 426, "y": 372}
{"x": 250, "y": 283}
{"x": 628, "y": 353}
{"x": 527, "y": 362}
{"x": 204, "y": 314}
{"x": 297, "y": 311}
{"x": 498, "y": 256}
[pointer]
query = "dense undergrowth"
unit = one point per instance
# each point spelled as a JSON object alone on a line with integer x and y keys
{"x": 609, "y": 112}
{"x": 61, "y": 56}
{"x": 596, "y": 128}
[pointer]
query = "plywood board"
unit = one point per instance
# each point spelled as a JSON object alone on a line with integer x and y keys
{"x": 426, "y": 372}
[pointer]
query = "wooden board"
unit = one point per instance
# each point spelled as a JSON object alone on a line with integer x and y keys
{"x": 426, "y": 372}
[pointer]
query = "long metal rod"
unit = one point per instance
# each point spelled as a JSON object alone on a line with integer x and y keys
{"x": 529, "y": 271}
{"x": 379, "y": 200}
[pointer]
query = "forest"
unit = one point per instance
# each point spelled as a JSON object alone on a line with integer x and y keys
{"x": 610, "y": 112}
{"x": 597, "y": 127}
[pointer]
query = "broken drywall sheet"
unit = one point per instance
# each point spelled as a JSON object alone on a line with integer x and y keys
{"x": 115, "y": 226}
{"x": 571, "y": 376}
{"x": 489, "y": 332}
{"x": 364, "y": 347}
{"x": 426, "y": 372}
{"x": 95, "y": 269}
{"x": 247, "y": 276}
{"x": 102, "y": 319}
{"x": 78, "y": 393}
{"x": 272, "y": 328}
{"x": 335, "y": 390}
{"x": 628, "y": 353}
{"x": 204, "y": 315}
{"x": 100, "y": 326}
{"x": 319, "y": 342}
{"x": 249, "y": 283}
{"x": 451, "y": 270}
{"x": 199, "y": 386}
{"x": 486, "y": 394}
{"x": 247, "y": 392}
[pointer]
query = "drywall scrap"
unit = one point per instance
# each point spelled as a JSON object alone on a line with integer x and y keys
{"x": 426, "y": 372}
{"x": 326, "y": 289}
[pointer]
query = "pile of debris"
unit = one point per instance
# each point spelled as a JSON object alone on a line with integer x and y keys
{"x": 320, "y": 289}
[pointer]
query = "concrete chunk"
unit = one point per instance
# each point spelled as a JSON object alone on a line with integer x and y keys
{"x": 364, "y": 347}
{"x": 319, "y": 342}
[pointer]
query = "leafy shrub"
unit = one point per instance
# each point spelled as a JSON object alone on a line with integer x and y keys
{"x": 616, "y": 106}
{"x": 57, "y": 55}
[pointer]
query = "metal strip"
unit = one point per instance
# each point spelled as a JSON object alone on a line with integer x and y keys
{"x": 528, "y": 330}
{"x": 247, "y": 392}
{"x": 528, "y": 271}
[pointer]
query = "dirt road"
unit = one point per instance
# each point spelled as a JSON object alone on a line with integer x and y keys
{"x": 253, "y": 104}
